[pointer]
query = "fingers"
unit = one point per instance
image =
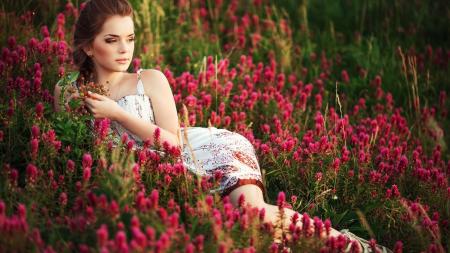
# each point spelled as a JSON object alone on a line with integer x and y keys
{"x": 75, "y": 96}
{"x": 89, "y": 101}
{"x": 94, "y": 107}
{"x": 95, "y": 96}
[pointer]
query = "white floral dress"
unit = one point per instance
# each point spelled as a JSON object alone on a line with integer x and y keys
{"x": 206, "y": 151}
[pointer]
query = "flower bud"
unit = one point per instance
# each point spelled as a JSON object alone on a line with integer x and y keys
{"x": 39, "y": 110}
{"x": 281, "y": 199}
{"x": 32, "y": 173}
{"x": 87, "y": 160}
{"x": 86, "y": 174}
{"x": 63, "y": 199}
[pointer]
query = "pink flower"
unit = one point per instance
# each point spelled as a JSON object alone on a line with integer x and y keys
{"x": 256, "y": 38}
{"x": 2, "y": 208}
{"x": 344, "y": 76}
{"x": 281, "y": 199}
{"x": 124, "y": 138}
{"x": 191, "y": 101}
{"x": 35, "y": 131}
{"x": 32, "y": 173}
{"x": 209, "y": 201}
{"x": 156, "y": 136}
{"x": 130, "y": 145}
{"x": 39, "y": 110}
{"x": 70, "y": 166}
{"x": 318, "y": 176}
{"x": 44, "y": 31}
{"x": 199, "y": 242}
{"x": 22, "y": 52}
{"x": 121, "y": 241}
{"x": 395, "y": 191}
{"x": 306, "y": 223}
{"x": 327, "y": 225}
{"x": 60, "y": 35}
{"x": 226, "y": 121}
{"x": 403, "y": 163}
{"x": 318, "y": 226}
{"x": 318, "y": 101}
{"x": 150, "y": 232}
{"x": 136, "y": 64}
{"x": 241, "y": 200}
{"x": 154, "y": 199}
{"x": 244, "y": 221}
{"x": 33, "y": 43}
{"x": 61, "y": 19}
{"x": 336, "y": 164}
{"x": 351, "y": 173}
{"x": 34, "y": 143}
{"x": 102, "y": 235}
{"x": 82, "y": 5}
{"x": 63, "y": 199}
{"x": 11, "y": 106}
{"x": 377, "y": 81}
{"x": 14, "y": 175}
{"x": 61, "y": 71}
{"x": 12, "y": 41}
{"x": 139, "y": 240}
{"x": 87, "y": 160}
{"x": 141, "y": 201}
{"x": 162, "y": 213}
{"x": 114, "y": 208}
{"x": 398, "y": 248}
{"x": 167, "y": 179}
{"x": 355, "y": 247}
{"x": 86, "y": 174}
{"x": 22, "y": 211}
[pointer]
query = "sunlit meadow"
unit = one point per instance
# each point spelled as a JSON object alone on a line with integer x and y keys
{"x": 345, "y": 102}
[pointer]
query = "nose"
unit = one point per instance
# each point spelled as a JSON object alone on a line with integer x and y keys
{"x": 124, "y": 47}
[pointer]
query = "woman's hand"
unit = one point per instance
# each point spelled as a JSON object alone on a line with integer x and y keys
{"x": 102, "y": 107}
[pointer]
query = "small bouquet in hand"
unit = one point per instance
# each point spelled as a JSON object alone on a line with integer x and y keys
{"x": 85, "y": 87}
{"x": 77, "y": 90}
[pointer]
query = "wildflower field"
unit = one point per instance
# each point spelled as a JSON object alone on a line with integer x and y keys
{"x": 346, "y": 103}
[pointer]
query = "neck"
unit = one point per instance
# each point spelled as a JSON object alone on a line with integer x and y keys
{"x": 109, "y": 79}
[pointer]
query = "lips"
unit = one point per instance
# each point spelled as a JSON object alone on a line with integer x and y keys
{"x": 122, "y": 61}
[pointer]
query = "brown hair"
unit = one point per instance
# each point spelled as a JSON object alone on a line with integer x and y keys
{"x": 89, "y": 24}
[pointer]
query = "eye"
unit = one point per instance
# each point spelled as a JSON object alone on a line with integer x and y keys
{"x": 131, "y": 39}
{"x": 110, "y": 40}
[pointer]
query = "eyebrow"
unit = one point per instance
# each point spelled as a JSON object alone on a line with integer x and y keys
{"x": 117, "y": 36}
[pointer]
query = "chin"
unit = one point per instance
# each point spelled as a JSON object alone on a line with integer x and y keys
{"x": 124, "y": 69}
{"x": 120, "y": 68}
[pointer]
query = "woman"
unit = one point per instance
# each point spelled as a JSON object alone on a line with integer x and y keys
{"x": 139, "y": 103}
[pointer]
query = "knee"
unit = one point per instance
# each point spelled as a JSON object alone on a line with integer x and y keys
{"x": 251, "y": 195}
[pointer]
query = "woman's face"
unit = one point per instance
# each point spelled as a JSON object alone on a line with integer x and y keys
{"x": 112, "y": 49}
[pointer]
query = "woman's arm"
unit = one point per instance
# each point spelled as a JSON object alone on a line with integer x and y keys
{"x": 158, "y": 89}
{"x": 56, "y": 95}
{"x": 144, "y": 129}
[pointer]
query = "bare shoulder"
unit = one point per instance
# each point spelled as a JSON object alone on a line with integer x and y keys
{"x": 154, "y": 80}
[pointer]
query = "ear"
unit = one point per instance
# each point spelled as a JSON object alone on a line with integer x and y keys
{"x": 88, "y": 50}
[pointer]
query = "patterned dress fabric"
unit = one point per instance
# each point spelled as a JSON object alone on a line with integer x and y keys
{"x": 206, "y": 151}
{"x": 137, "y": 104}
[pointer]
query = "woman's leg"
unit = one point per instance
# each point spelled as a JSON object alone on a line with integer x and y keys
{"x": 253, "y": 195}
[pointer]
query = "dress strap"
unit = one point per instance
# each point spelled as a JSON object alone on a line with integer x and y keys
{"x": 140, "y": 85}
